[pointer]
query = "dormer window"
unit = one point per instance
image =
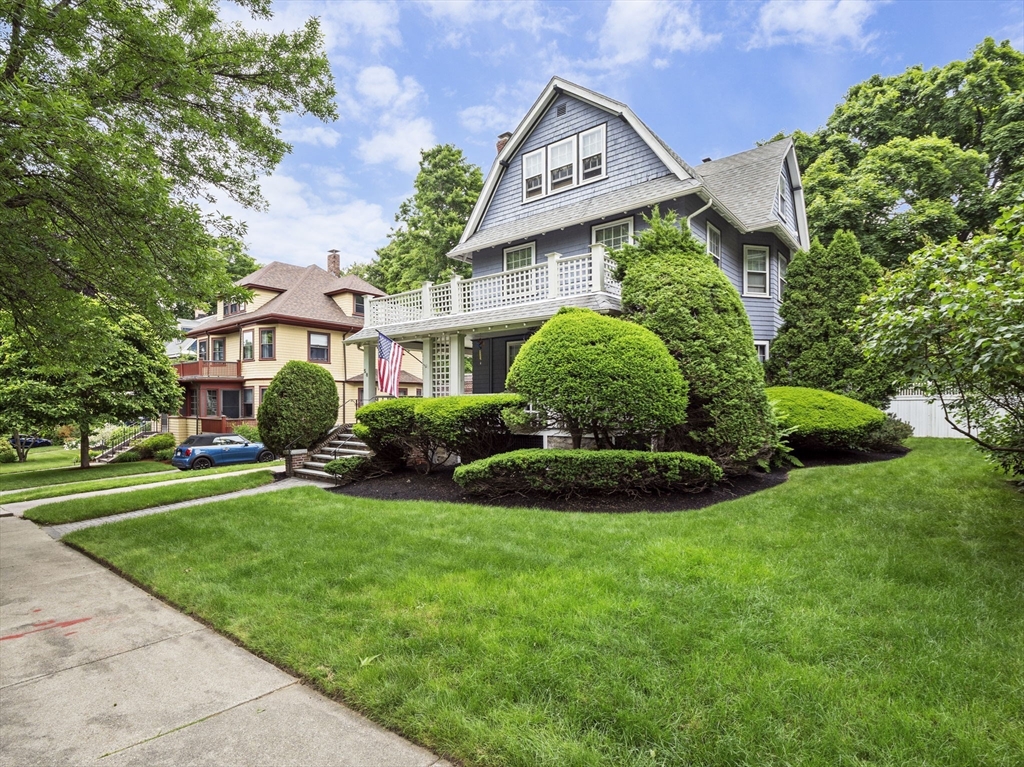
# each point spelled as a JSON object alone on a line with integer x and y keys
{"x": 360, "y": 305}
{"x": 235, "y": 308}
{"x": 533, "y": 174}
{"x": 592, "y": 153}
{"x": 562, "y": 162}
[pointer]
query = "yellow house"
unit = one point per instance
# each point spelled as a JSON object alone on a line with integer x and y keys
{"x": 296, "y": 313}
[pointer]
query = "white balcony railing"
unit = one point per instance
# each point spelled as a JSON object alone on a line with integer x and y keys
{"x": 557, "y": 278}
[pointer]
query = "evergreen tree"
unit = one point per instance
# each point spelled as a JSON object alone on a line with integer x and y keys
{"x": 817, "y": 348}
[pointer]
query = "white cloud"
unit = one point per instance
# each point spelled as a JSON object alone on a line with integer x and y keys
{"x": 299, "y": 226}
{"x": 634, "y": 30}
{"x": 819, "y": 23}
{"x": 393, "y": 103}
{"x": 398, "y": 141}
{"x": 312, "y": 134}
{"x": 520, "y": 15}
{"x": 368, "y": 22}
{"x": 380, "y": 87}
{"x": 485, "y": 118}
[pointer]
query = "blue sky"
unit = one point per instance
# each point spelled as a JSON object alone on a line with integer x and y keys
{"x": 711, "y": 78}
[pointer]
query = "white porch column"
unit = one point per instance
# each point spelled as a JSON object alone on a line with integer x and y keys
{"x": 597, "y": 268}
{"x": 369, "y": 372}
{"x": 428, "y": 367}
{"x": 553, "y": 274}
{"x": 456, "y": 289}
{"x": 426, "y": 303}
{"x": 457, "y": 364}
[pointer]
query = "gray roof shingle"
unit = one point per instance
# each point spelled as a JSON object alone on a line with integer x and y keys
{"x": 747, "y": 182}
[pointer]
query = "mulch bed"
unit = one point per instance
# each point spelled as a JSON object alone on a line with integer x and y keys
{"x": 438, "y": 486}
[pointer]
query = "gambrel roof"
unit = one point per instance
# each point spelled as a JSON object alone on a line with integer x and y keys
{"x": 740, "y": 187}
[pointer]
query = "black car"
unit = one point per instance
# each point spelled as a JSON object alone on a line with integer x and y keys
{"x": 27, "y": 442}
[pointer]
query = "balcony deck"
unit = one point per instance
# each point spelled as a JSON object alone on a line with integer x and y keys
{"x": 528, "y": 294}
{"x": 200, "y": 369}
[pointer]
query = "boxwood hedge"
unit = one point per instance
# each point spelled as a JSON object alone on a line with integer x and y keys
{"x": 152, "y": 445}
{"x": 349, "y": 469}
{"x": 299, "y": 408}
{"x": 579, "y": 472}
{"x": 822, "y": 419}
{"x": 386, "y": 427}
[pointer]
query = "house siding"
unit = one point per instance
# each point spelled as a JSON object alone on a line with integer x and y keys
{"x": 629, "y": 160}
{"x": 490, "y": 357}
{"x": 787, "y": 212}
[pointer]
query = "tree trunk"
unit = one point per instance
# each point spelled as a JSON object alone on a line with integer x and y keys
{"x": 83, "y": 456}
{"x": 19, "y": 448}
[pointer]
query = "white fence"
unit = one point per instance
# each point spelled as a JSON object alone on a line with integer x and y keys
{"x": 926, "y": 417}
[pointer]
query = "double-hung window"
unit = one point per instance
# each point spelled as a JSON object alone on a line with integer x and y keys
{"x": 762, "y": 351}
{"x": 319, "y": 347}
{"x": 218, "y": 350}
{"x": 614, "y": 235}
{"x": 714, "y": 237}
{"x": 360, "y": 304}
{"x": 562, "y": 164}
{"x": 592, "y": 153}
{"x": 248, "y": 349}
{"x": 204, "y": 347}
{"x": 247, "y": 403}
{"x": 533, "y": 175}
{"x": 520, "y": 256}
{"x": 267, "y": 344}
{"x": 755, "y": 270}
{"x": 783, "y": 268}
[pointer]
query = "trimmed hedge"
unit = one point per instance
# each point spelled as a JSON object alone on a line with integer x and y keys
{"x": 349, "y": 468}
{"x": 150, "y": 446}
{"x": 579, "y": 472}
{"x": 128, "y": 456}
{"x": 7, "y": 452}
{"x": 386, "y": 426}
{"x": 164, "y": 455}
{"x": 822, "y": 419}
{"x": 470, "y": 426}
{"x": 251, "y": 433}
{"x": 299, "y": 408}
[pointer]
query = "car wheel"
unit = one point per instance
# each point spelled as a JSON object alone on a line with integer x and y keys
{"x": 265, "y": 456}
{"x": 202, "y": 463}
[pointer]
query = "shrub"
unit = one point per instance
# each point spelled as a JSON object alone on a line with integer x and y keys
{"x": 599, "y": 375}
{"x": 386, "y": 427}
{"x": 251, "y": 433}
{"x": 128, "y": 456}
{"x": 578, "y": 472}
{"x": 471, "y": 426}
{"x": 151, "y": 445}
{"x": 164, "y": 455}
{"x": 7, "y": 452}
{"x": 349, "y": 469}
{"x": 671, "y": 286}
{"x": 889, "y": 435}
{"x": 299, "y": 408}
{"x": 821, "y": 419}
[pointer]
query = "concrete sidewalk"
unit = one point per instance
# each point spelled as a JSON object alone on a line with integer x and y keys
{"x": 94, "y": 670}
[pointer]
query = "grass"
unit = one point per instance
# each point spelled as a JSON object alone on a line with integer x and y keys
{"x": 77, "y": 509}
{"x": 856, "y": 615}
{"x": 77, "y": 474}
{"x": 37, "y": 493}
{"x": 41, "y": 458}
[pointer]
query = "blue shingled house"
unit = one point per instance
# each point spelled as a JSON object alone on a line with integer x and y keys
{"x": 570, "y": 184}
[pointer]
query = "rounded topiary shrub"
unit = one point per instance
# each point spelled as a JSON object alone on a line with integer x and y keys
{"x": 671, "y": 286}
{"x": 821, "y": 419}
{"x": 599, "y": 375}
{"x": 7, "y": 452}
{"x": 469, "y": 425}
{"x": 299, "y": 408}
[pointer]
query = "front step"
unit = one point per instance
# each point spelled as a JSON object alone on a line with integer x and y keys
{"x": 315, "y": 474}
{"x": 345, "y": 445}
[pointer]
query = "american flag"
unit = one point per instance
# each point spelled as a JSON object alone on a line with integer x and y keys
{"x": 389, "y": 365}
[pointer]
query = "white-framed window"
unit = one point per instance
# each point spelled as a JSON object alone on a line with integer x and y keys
{"x": 520, "y": 256}
{"x": 533, "y": 175}
{"x": 614, "y": 235}
{"x": 714, "y": 241}
{"x": 592, "y": 164}
{"x": 782, "y": 197}
{"x": 248, "y": 344}
{"x": 319, "y": 347}
{"x": 511, "y": 350}
{"x": 755, "y": 271}
{"x": 562, "y": 164}
{"x": 762, "y": 350}
{"x": 783, "y": 268}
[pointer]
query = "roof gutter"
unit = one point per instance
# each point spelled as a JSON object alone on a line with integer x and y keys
{"x": 689, "y": 219}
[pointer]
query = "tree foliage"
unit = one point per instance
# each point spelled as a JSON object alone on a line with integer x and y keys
{"x": 671, "y": 286}
{"x": 952, "y": 322}
{"x": 114, "y": 119}
{"x": 816, "y": 346}
{"x": 601, "y": 376}
{"x": 430, "y": 223}
{"x": 126, "y": 376}
{"x": 299, "y": 408}
{"x": 920, "y": 156}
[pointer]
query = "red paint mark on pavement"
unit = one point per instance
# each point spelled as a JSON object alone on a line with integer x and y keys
{"x": 38, "y": 610}
{"x": 70, "y": 633}
{"x": 47, "y": 625}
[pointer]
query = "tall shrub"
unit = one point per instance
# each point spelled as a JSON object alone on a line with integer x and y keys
{"x": 601, "y": 376}
{"x": 817, "y": 347}
{"x": 671, "y": 286}
{"x": 300, "y": 407}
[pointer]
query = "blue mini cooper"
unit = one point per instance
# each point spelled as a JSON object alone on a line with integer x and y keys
{"x": 202, "y": 451}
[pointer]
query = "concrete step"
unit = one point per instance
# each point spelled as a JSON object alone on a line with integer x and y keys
{"x": 342, "y": 452}
{"x": 348, "y": 443}
{"x": 315, "y": 474}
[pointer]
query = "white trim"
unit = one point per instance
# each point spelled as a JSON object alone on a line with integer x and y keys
{"x": 508, "y": 349}
{"x": 708, "y": 228}
{"x": 543, "y": 173}
{"x": 782, "y": 268}
{"x": 603, "y": 128}
{"x": 606, "y": 224}
{"x": 767, "y": 349}
{"x": 533, "y": 254}
{"x": 803, "y": 236}
{"x": 767, "y": 271}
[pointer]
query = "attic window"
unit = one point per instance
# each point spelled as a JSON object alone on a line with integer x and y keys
{"x": 560, "y": 111}
{"x": 533, "y": 174}
{"x": 360, "y": 305}
{"x": 782, "y": 197}
{"x": 562, "y": 163}
{"x": 592, "y": 153}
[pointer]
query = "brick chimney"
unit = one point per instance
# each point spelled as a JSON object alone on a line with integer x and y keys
{"x": 502, "y": 140}
{"x": 334, "y": 262}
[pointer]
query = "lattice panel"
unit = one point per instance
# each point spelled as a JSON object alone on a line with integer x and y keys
{"x": 518, "y": 286}
{"x": 401, "y": 307}
{"x": 440, "y": 369}
{"x": 611, "y": 285}
{"x": 441, "y": 299}
{"x": 574, "y": 275}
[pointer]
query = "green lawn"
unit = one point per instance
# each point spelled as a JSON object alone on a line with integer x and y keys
{"x": 41, "y": 458}
{"x": 36, "y": 493}
{"x": 870, "y": 614}
{"x": 78, "y": 474}
{"x": 77, "y": 509}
